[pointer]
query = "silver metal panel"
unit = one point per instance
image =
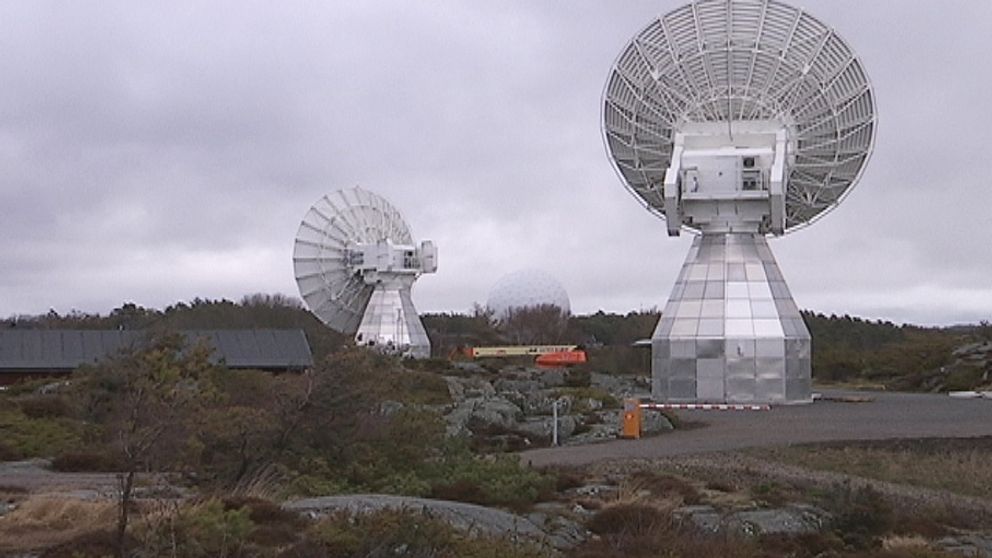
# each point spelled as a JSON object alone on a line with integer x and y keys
{"x": 769, "y": 389}
{"x": 740, "y": 368}
{"x": 660, "y": 348}
{"x": 682, "y": 368}
{"x": 738, "y": 346}
{"x": 740, "y": 390}
{"x": 770, "y": 348}
{"x": 682, "y": 390}
{"x": 799, "y": 389}
{"x": 710, "y": 389}
{"x": 391, "y": 323}
{"x": 684, "y": 348}
{"x": 711, "y": 368}
{"x": 769, "y": 368}
{"x": 659, "y": 388}
{"x": 709, "y": 348}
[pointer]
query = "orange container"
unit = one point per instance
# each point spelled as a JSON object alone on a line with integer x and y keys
{"x": 561, "y": 358}
{"x": 631, "y": 419}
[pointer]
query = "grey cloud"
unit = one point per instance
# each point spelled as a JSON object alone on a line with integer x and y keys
{"x": 157, "y": 153}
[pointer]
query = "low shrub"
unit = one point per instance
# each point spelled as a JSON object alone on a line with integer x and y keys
{"x": 635, "y": 520}
{"x": 770, "y": 493}
{"x": 204, "y": 530}
{"x": 8, "y": 453}
{"x": 929, "y": 524}
{"x": 720, "y": 486}
{"x": 48, "y": 521}
{"x": 421, "y": 387}
{"x": 963, "y": 378}
{"x": 806, "y": 545}
{"x": 42, "y": 437}
{"x": 667, "y": 486}
{"x": 262, "y": 512}
{"x": 493, "y": 438}
{"x": 12, "y": 489}
{"x": 96, "y": 544}
{"x": 272, "y": 525}
{"x": 566, "y": 478}
{"x": 44, "y": 406}
{"x": 642, "y": 531}
{"x": 435, "y": 365}
{"x": 861, "y": 516}
{"x": 578, "y": 378}
{"x": 395, "y": 533}
{"x": 497, "y": 480}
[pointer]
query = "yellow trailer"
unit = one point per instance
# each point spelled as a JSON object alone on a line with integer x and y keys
{"x": 518, "y": 350}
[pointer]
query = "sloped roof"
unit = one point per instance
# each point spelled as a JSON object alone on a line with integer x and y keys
{"x": 27, "y": 350}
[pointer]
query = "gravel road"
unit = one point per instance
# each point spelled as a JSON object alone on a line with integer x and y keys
{"x": 889, "y": 415}
{"x": 34, "y": 476}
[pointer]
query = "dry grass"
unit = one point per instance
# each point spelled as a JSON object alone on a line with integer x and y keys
{"x": 43, "y": 521}
{"x": 901, "y": 542}
{"x": 964, "y": 471}
{"x": 638, "y": 530}
{"x": 632, "y": 491}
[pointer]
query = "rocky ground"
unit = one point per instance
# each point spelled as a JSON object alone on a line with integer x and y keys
{"x": 742, "y": 495}
{"x": 515, "y": 408}
{"x": 715, "y": 494}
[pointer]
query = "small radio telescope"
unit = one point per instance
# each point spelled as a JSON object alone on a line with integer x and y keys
{"x": 736, "y": 120}
{"x": 355, "y": 262}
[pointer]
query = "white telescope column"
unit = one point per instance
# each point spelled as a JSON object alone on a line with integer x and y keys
{"x": 731, "y": 331}
{"x": 391, "y": 322}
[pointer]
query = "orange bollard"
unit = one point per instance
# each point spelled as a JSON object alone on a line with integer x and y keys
{"x": 631, "y": 419}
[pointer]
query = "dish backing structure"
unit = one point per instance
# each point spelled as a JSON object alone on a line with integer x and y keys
{"x": 736, "y": 120}
{"x": 355, "y": 262}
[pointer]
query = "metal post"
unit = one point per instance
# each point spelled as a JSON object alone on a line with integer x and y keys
{"x": 554, "y": 422}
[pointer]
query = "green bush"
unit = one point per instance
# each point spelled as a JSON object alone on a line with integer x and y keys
{"x": 44, "y": 406}
{"x": 208, "y": 529}
{"x": 493, "y": 481}
{"x": 416, "y": 387}
{"x": 963, "y": 379}
{"x": 8, "y": 453}
{"x": 42, "y": 437}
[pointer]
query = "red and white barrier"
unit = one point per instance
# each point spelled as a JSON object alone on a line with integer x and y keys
{"x": 705, "y": 406}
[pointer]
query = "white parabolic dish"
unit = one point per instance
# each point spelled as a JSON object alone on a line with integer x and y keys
{"x": 332, "y": 289}
{"x": 742, "y": 60}
{"x": 355, "y": 263}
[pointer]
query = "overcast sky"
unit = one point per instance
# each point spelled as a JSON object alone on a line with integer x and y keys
{"x": 156, "y": 152}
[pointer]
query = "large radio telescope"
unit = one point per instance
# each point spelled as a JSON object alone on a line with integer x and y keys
{"x": 355, "y": 262}
{"x": 736, "y": 119}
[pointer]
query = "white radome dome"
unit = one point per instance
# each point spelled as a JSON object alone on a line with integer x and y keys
{"x": 526, "y": 288}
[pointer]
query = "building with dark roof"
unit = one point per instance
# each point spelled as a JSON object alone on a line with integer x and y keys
{"x": 28, "y": 353}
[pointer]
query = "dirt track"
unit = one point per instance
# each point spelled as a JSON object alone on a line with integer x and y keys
{"x": 890, "y": 415}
